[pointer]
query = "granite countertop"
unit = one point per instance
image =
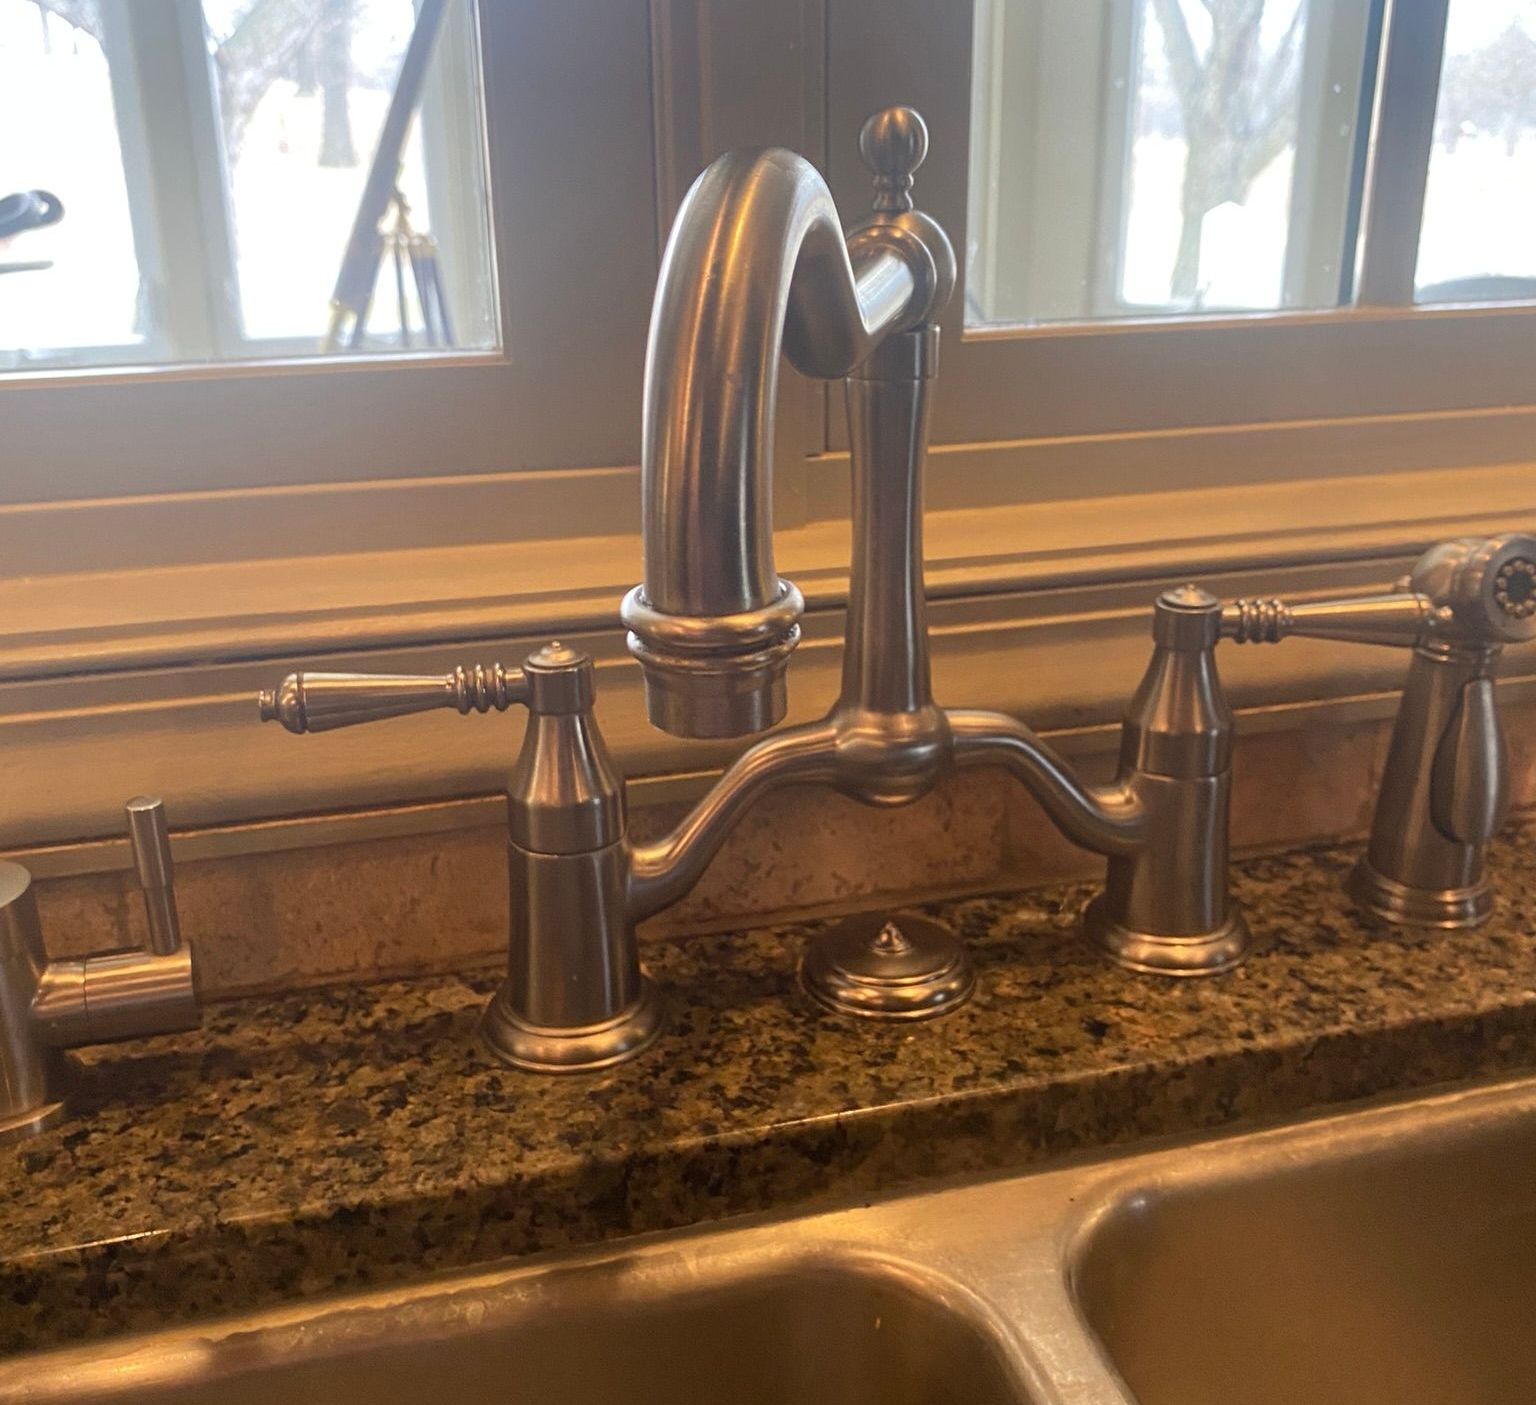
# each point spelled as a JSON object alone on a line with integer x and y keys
{"x": 354, "y": 1137}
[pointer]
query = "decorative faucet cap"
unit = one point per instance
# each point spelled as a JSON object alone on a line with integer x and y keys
{"x": 556, "y": 655}
{"x": 1186, "y": 617}
{"x": 893, "y": 144}
{"x": 284, "y": 704}
{"x": 560, "y": 679}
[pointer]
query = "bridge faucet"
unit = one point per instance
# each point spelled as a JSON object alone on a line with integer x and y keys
{"x": 757, "y": 261}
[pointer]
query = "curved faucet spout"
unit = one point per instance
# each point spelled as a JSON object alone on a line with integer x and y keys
{"x": 756, "y": 263}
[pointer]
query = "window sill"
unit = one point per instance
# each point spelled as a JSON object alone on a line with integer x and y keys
{"x": 140, "y": 677}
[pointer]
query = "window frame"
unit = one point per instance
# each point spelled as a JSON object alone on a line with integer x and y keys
{"x": 1382, "y": 356}
{"x": 1076, "y": 237}
{"x": 576, "y": 260}
{"x": 164, "y": 90}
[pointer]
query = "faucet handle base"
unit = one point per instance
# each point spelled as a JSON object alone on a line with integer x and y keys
{"x": 35, "y": 1119}
{"x": 1203, "y": 954}
{"x": 902, "y": 967}
{"x": 1387, "y": 900}
{"x": 571, "y": 1049}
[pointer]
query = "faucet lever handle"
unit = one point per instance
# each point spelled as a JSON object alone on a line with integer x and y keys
{"x": 151, "y": 844}
{"x": 1469, "y": 783}
{"x": 1400, "y": 618}
{"x": 322, "y": 702}
{"x": 1472, "y": 592}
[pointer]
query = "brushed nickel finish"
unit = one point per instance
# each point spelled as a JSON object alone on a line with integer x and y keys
{"x": 901, "y": 967}
{"x": 575, "y": 997}
{"x": 757, "y": 264}
{"x": 1444, "y": 791}
{"x": 1165, "y": 908}
{"x": 1370, "y": 1257}
{"x": 321, "y": 702}
{"x": 47, "y": 1007}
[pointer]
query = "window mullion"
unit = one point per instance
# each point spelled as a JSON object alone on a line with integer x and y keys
{"x": 455, "y": 175}
{"x": 1327, "y": 141}
{"x": 1408, "y": 92}
{"x": 133, "y": 141}
{"x": 162, "y": 48}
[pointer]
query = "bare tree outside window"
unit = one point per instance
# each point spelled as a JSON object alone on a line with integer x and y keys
{"x": 335, "y": 68}
{"x": 1490, "y": 91}
{"x": 305, "y": 40}
{"x": 1236, "y": 97}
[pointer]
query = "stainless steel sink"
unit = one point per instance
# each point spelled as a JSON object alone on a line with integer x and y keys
{"x": 1357, "y": 1262}
{"x": 664, "y": 1326}
{"x": 1380, "y": 1255}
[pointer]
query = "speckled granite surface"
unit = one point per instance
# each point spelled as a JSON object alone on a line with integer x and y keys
{"x": 357, "y": 1137}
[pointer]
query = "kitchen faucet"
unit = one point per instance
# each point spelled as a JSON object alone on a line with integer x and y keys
{"x": 758, "y": 263}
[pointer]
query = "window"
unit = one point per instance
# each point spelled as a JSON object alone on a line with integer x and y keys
{"x": 195, "y": 172}
{"x": 1480, "y": 200}
{"x": 1161, "y": 156}
{"x": 1092, "y": 306}
{"x": 533, "y": 145}
{"x": 1186, "y": 157}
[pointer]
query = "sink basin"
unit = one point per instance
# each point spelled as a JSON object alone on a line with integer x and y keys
{"x": 658, "y": 1328}
{"x": 1379, "y": 1255}
{"x": 1353, "y": 1263}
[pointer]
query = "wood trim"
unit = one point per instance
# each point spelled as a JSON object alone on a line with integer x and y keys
{"x": 188, "y": 579}
{"x": 111, "y": 854}
{"x": 1062, "y": 647}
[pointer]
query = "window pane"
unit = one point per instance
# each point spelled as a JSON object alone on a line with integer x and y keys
{"x": 1478, "y": 239}
{"x": 1155, "y": 157}
{"x": 303, "y": 101}
{"x": 212, "y": 158}
{"x": 72, "y": 282}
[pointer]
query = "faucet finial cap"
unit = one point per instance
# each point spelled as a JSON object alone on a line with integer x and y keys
{"x": 1186, "y": 617}
{"x": 893, "y": 144}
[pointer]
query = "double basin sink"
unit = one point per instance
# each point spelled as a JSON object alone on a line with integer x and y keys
{"x": 1380, "y": 1255}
